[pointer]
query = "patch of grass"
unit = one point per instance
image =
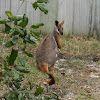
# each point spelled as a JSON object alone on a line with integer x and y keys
{"x": 77, "y": 45}
{"x": 66, "y": 81}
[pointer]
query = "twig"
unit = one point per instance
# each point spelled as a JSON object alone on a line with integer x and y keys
{"x": 20, "y": 6}
{"x": 2, "y": 45}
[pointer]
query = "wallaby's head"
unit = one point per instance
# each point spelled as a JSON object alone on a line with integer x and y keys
{"x": 59, "y": 27}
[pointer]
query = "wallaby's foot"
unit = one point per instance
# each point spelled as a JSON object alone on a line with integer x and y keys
{"x": 52, "y": 68}
{"x": 63, "y": 53}
{"x": 46, "y": 83}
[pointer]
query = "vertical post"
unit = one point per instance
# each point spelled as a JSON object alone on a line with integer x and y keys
{"x": 73, "y": 17}
{"x": 96, "y": 29}
{"x": 90, "y": 33}
{"x": 57, "y": 9}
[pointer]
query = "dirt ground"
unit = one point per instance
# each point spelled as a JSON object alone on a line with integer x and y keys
{"x": 77, "y": 79}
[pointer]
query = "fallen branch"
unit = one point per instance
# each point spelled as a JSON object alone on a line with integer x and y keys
{"x": 2, "y": 45}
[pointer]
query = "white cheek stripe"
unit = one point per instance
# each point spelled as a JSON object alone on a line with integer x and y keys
{"x": 58, "y": 31}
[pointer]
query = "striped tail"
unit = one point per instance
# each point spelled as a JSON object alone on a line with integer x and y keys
{"x": 52, "y": 80}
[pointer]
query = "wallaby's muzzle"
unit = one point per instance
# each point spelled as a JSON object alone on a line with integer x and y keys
{"x": 61, "y": 33}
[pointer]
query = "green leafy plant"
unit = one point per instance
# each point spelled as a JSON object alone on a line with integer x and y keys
{"x": 13, "y": 74}
{"x": 41, "y": 5}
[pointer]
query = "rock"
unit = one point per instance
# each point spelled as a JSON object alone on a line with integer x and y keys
{"x": 69, "y": 71}
{"x": 62, "y": 60}
{"x": 94, "y": 76}
{"x": 90, "y": 65}
{"x": 68, "y": 94}
{"x": 61, "y": 69}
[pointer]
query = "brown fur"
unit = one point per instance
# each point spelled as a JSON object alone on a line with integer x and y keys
{"x": 46, "y": 54}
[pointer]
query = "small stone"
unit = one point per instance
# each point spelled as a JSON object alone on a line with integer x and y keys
{"x": 94, "y": 76}
{"x": 62, "y": 60}
{"x": 90, "y": 65}
{"x": 69, "y": 71}
{"x": 69, "y": 94}
{"x": 60, "y": 69}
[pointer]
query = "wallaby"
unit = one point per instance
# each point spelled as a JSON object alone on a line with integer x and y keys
{"x": 46, "y": 54}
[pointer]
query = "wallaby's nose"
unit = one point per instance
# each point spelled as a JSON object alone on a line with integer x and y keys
{"x": 61, "y": 33}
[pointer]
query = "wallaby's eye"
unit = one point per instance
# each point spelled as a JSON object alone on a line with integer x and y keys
{"x": 58, "y": 29}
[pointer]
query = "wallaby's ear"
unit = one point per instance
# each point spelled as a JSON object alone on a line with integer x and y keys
{"x": 62, "y": 22}
{"x": 56, "y": 23}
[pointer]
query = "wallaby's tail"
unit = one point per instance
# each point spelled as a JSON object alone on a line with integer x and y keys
{"x": 44, "y": 68}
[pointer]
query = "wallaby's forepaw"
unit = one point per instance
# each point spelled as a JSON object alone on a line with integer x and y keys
{"x": 59, "y": 47}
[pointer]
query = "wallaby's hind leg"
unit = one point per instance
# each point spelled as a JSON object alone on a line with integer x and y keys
{"x": 44, "y": 68}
